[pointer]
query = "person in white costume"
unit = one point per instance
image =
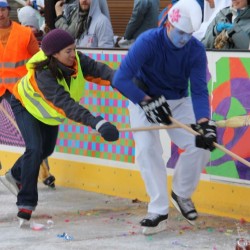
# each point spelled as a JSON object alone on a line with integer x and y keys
{"x": 155, "y": 77}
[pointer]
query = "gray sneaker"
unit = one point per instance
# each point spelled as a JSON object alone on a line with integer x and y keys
{"x": 186, "y": 207}
{"x": 9, "y": 182}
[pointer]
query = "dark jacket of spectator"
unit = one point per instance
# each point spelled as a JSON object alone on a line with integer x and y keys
{"x": 144, "y": 16}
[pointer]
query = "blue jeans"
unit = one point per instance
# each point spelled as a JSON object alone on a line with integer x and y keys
{"x": 40, "y": 141}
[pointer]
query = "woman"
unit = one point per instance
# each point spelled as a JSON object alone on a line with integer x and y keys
{"x": 230, "y": 28}
{"x": 49, "y": 93}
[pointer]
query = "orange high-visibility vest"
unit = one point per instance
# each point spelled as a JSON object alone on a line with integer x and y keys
{"x": 14, "y": 57}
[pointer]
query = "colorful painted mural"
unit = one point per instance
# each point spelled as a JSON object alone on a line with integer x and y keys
{"x": 230, "y": 97}
{"x": 229, "y": 85}
{"x": 229, "y": 90}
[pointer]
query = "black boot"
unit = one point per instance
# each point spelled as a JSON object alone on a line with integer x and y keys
{"x": 50, "y": 181}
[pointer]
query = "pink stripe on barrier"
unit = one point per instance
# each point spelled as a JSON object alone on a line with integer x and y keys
{"x": 89, "y": 147}
{"x": 122, "y": 150}
{"x": 98, "y": 57}
{"x": 130, "y": 151}
{"x": 65, "y": 128}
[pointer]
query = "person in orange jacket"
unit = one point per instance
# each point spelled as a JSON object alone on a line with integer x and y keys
{"x": 15, "y": 51}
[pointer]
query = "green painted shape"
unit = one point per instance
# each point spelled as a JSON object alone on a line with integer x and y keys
{"x": 106, "y": 94}
{"x": 81, "y": 137}
{"x": 217, "y": 117}
{"x": 98, "y": 139}
{"x": 222, "y": 71}
{"x": 130, "y": 159}
{"x": 236, "y": 108}
{"x": 227, "y": 169}
{"x": 115, "y": 65}
{"x": 210, "y": 86}
{"x": 246, "y": 63}
{"x": 216, "y": 154}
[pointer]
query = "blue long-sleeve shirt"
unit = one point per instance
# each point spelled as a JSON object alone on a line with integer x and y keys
{"x": 165, "y": 70}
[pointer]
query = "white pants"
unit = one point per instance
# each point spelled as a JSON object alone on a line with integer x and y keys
{"x": 149, "y": 152}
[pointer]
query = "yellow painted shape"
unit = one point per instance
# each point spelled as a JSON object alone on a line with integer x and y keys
{"x": 227, "y": 200}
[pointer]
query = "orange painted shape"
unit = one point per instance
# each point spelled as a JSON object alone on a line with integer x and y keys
{"x": 220, "y": 93}
{"x": 228, "y": 135}
{"x": 237, "y": 69}
{"x": 242, "y": 147}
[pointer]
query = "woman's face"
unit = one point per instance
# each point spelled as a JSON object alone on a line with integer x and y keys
{"x": 67, "y": 56}
{"x": 239, "y": 4}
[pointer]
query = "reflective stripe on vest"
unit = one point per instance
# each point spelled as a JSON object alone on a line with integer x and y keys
{"x": 9, "y": 80}
{"x": 27, "y": 88}
{"x": 12, "y": 65}
{"x": 34, "y": 101}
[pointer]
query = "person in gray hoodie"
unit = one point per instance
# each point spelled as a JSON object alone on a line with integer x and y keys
{"x": 144, "y": 17}
{"x": 102, "y": 3}
{"x": 230, "y": 29}
{"x": 86, "y": 23}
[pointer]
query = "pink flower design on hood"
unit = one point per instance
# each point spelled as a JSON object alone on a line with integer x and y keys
{"x": 175, "y": 15}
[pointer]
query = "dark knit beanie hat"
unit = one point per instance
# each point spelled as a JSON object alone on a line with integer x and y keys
{"x": 56, "y": 40}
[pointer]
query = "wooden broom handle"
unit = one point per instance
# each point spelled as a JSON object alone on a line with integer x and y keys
{"x": 223, "y": 149}
{"x": 13, "y": 122}
{"x": 177, "y": 124}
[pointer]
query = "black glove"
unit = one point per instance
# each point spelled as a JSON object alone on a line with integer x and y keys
{"x": 157, "y": 110}
{"x": 107, "y": 130}
{"x": 208, "y": 135}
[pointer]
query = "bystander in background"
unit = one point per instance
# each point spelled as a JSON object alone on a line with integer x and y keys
{"x": 144, "y": 17}
{"x": 230, "y": 29}
{"x": 39, "y": 6}
{"x": 86, "y": 23}
{"x": 27, "y": 17}
{"x": 211, "y": 8}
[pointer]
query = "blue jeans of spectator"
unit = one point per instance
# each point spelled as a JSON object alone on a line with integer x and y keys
{"x": 40, "y": 141}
